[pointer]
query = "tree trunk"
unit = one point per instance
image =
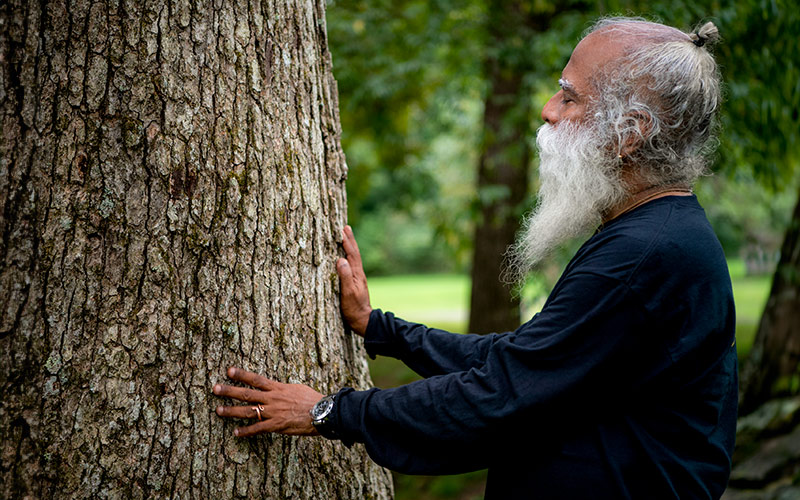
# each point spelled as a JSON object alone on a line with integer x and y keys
{"x": 503, "y": 167}
{"x": 171, "y": 195}
{"x": 502, "y": 185}
{"x": 773, "y": 366}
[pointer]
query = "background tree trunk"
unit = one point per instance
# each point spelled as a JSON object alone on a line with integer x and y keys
{"x": 773, "y": 365}
{"x": 505, "y": 155}
{"x": 171, "y": 195}
{"x": 502, "y": 169}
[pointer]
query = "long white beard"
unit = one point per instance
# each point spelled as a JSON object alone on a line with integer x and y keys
{"x": 579, "y": 181}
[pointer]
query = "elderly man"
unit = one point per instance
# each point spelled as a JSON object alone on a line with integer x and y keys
{"x": 624, "y": 385}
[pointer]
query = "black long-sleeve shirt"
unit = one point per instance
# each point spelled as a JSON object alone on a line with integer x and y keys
{"x": 623, "y": 386}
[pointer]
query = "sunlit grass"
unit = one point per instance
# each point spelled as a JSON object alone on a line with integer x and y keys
{"x": 750, "y": 294}
{"x": 437, "y": 300}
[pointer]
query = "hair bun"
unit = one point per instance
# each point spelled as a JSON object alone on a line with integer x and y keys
{"x": 705, "y": 34}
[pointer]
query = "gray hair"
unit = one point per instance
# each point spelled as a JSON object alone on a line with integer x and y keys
{"x": 662, "y": 96}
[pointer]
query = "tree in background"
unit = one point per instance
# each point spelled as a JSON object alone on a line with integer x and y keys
{"x": 761, "y": 62}
{"x": 503, "y": 165}
{"x": 510, "y": 66}
{"x": 411, "y": 66}
{"x": 414, "y": 79}
{"x": 172, "y": 193}
{"x": 400, "y": 59}
{"x": 773, "y": 365}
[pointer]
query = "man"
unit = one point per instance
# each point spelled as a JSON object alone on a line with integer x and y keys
{"x": 625, "y": 384}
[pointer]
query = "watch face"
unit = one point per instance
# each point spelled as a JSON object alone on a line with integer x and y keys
{"x": 322, "y": 408}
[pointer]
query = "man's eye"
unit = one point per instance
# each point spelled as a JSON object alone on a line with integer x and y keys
{"x": 566, "y": 100}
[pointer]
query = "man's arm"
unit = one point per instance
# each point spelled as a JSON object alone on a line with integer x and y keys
{"x": 425, "y": 350}
{"x": 594, "y": 353}
{"x": 590, "y": 348}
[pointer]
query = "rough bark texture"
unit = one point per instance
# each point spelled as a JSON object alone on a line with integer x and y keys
{"x": 773, "y": 366}
{"x": 171, "y": 195}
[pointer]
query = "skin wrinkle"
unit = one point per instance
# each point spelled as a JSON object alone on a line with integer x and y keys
{"x": 566, "y": 86}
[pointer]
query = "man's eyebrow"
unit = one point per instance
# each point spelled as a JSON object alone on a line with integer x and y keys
{"x": 567, "y": 86}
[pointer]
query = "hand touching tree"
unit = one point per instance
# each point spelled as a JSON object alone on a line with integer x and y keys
{"x": 286, "y": 408}
{"x": 355, "y": 295}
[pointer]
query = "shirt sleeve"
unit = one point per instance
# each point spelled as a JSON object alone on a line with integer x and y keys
{"x": 587, "y": 348}
{"x": 427, "y": 351}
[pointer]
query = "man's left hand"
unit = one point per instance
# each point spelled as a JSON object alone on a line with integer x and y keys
{"x": 278, "y": 407}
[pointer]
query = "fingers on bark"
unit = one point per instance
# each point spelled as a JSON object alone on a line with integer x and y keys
{"x": 240, "y": 393}
{"x": 351, "y": 248}
{"x": 250, "y": 378}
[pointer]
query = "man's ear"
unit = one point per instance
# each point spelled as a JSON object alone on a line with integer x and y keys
{"x": 638, "y": 129}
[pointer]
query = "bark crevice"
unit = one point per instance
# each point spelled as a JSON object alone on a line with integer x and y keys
{"x": 172, "y": 204}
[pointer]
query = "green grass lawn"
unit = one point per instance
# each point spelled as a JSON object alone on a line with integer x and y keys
{"x": 750, "y": 294}
{"x": 442, "y": 301}
{"x": 438, "y": 300}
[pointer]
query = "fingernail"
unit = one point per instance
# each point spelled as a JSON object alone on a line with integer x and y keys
{"x": 217, "y": 388}
{"x": 219, "y": 410}
{"x": 231, "y": 371}
{"x": 236, "y": 432}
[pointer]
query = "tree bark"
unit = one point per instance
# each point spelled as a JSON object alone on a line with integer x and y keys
{"x": 773, "y": 365}
{"x": 171, "y": 196}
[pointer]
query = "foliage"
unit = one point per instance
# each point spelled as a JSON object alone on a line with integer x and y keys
{"x": 759, "y": 59}
{"x": 407, "y": 73}
{"x": 411, "y": 94}
{"x": 761, "y": 64}
{"x": 748, "y": 218}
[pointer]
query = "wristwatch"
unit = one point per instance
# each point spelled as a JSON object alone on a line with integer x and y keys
{"x": 322, "y": 416}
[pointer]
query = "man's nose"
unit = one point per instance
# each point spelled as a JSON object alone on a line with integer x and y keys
{"x": 549, "y": 113}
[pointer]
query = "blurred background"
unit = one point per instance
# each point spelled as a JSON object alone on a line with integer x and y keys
{"x": 439, "y": 102}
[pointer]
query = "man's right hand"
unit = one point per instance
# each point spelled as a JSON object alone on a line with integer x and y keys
{"x": 355, "y": 296}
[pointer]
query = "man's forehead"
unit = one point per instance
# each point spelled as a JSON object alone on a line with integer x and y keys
{"x": 593, "y": 53}
{"x": 610, "y": 43}
{"x": 599, "y": 48}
